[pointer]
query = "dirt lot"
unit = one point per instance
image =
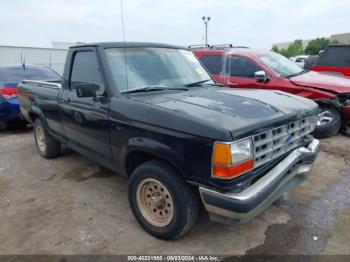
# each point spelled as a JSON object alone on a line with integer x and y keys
{"x": 70, "y": 205}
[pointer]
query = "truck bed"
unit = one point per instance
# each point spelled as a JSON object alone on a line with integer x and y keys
{"x": 44, "y": 95}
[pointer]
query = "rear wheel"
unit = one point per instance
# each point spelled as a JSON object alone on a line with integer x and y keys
{"x": 329, "y": 122}
{"x": 162, "y": 202}
{"x": 47, "y": 146}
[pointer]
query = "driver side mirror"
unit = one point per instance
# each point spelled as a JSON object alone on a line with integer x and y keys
{"x": 86, "y": 90}
{"x": 260, "y": 76}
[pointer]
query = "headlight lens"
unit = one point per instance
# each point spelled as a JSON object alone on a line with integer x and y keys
{"x": 232, "y": 159}
{"x": 241, "y": 151}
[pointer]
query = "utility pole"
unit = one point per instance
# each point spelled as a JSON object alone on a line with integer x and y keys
{"x": 206, "y": 20}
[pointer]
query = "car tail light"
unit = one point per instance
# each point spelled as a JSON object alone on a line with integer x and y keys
{"x": 232, "y": 159}
{"x": 9, "y": 92}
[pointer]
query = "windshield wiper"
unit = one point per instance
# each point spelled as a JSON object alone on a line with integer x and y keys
{"x": 153, "y": 88}
{"x": 300, "y": 73}
{"x": 198, "y": 83}
{"x": 215, "y": 84}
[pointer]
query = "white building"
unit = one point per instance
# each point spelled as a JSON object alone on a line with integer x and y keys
{"x": 284, "y": 45}
{"x": 54, "y": 57}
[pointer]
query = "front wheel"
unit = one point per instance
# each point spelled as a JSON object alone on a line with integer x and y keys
{"x": 329, "y": 122}
{"x": 161, "y": 201}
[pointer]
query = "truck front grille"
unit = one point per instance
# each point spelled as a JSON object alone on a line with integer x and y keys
{"x": 273, "y": 143}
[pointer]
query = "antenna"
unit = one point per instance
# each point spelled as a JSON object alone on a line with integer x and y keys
{"x": 24, "y": 62}
{"x": 123, "y": 28}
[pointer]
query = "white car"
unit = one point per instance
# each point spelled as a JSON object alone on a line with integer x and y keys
{"x": 299, "y": 60}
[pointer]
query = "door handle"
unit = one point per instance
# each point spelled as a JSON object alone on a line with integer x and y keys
{"x": 232, "y": 83}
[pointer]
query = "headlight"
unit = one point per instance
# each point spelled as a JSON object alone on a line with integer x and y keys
{"x": 232, "y": 159}
{"x": 241, "y": 151}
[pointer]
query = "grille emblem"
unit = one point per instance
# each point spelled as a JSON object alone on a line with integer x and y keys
{"x": 288, "y": 139}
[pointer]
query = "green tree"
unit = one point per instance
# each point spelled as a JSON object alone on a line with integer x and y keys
{"x": 294, "y": 49}
{"x": 316, "y": 45}
{"x": 275, "y": 49}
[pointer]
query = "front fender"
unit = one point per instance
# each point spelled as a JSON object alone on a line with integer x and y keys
{"x": 316, "y": 94}
{"x": 156, "y": 148}
{"x": 327, "y": 102}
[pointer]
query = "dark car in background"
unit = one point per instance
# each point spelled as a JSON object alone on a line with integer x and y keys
{"x": 237, "y": 67}
{"x": 335, "y": 59}
{"x": 10, "y": 76}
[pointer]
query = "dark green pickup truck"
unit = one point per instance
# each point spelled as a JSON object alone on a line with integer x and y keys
{"x": 152, "y": 113}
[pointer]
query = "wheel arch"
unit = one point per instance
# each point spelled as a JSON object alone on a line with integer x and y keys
{"x": 141, "y": 150}
{"x": 35, "y": 113}
{"x": 328, "y": 102}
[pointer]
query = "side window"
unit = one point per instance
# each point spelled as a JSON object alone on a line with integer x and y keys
{"x": 213, "y": 63}
{"x": 242, "y": 67}
{"x": 85, "y": 69}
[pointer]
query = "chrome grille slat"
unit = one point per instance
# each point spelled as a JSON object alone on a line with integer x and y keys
{"x": 275, "y": 142}
{"x": 264, "y": 152}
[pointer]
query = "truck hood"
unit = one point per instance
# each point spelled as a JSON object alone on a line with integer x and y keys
{"x": 334, "y": 84}
{"x": 239, "y": 111}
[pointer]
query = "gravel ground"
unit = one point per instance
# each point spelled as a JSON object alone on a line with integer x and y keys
{"x": 70, "y": 205}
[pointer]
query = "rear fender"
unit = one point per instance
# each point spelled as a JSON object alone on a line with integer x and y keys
{"x": 34, "y": 110}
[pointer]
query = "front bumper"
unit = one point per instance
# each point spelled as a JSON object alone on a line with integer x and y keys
{"x": 236, "y": 208}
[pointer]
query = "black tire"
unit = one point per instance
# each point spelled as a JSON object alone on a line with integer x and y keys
{"x": 331, "y": 127}
{"x": 52, "y": 147}
{"x": 183, "y": 196}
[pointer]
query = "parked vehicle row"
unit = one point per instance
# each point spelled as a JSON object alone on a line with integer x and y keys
{"x": 335, "y": 60}
{"x": 153, "y": 113}
{"x": 259, "y": 69}
{"x": 10, "y": 76}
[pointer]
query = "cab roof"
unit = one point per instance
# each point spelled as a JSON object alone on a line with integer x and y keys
{"x": 245, "y": 51}
{"x": 128, "y": 45}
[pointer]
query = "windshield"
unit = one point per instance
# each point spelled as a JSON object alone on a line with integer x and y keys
{"x": 154, "y": 67}
{"x": 17, "y": 74}
{"x": 280, "y": 64}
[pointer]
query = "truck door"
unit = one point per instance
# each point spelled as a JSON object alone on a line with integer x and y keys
{"x": 85, "y": 119}
{"x": 214, "y": 63}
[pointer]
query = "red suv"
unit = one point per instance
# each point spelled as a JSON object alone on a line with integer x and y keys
{"x": 334, "y": 59}
{"x": 249, "y": 68}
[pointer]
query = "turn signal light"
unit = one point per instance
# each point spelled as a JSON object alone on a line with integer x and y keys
{"x": 222, "y": 154}
{"x": 228, "y": 172}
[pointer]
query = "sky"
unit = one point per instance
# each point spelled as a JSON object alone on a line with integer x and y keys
{"x": 252, "y": 23}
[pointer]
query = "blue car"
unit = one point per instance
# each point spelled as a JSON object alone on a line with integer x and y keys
{"x": 10, "y": 76}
